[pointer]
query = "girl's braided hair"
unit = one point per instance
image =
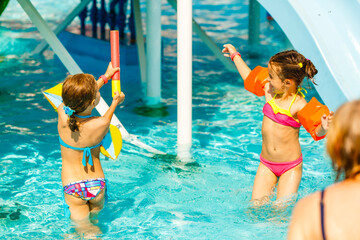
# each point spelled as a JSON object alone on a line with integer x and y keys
{"x": 78, "y": 92}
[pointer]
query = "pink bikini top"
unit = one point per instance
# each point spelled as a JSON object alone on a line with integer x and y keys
{"x": 280, "y": 115}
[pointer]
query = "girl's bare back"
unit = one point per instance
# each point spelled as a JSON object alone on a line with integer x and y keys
{"x": 88, "y": 135}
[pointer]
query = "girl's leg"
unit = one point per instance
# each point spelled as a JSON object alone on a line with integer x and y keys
{"x": 80, "y": 211}
{"x": 289, "y": 182}
{"x": 264, "y": 183}
{"x": 96, "y": 204}
{"x": 79, "y": 208}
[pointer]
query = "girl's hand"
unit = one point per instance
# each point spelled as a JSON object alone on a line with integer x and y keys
{"x": 118, "y": 98}
{"x": 228, "y": 50}
{"x": 110, "y": 71}
{"x": 326, "y": 121}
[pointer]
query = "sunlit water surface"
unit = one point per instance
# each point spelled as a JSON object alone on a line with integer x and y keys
{"x": 151, "y": 197}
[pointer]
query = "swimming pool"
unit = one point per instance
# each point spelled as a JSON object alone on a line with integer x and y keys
{"x": 151, "y": 197}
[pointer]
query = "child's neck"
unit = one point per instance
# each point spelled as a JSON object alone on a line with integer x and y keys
{"x": 288, "y": 93}
{"x": 87, "y": 111}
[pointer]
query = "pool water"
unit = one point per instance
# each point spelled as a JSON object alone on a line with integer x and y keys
{"x": 151, "y": 197}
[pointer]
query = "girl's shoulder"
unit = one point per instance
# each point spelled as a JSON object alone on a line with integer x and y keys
{"x": 95, "y": 128}
{"x": 62, "y": 117}
{"x": 99, "y": 121}
{"x": 299, "y": 103}
{"x": 305, "y": 216}
{"x": 91, "y": 124}
{"x": 97, "y": 125}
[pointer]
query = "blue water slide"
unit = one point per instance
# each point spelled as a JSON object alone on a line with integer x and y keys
{"x": 328, "y": 33}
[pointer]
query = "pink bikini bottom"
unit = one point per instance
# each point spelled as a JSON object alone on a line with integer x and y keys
{"x": 278, "y": 168}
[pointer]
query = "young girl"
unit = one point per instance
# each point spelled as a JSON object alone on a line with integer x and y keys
{"x": 333, "y": 213}
{"x": 80, "y": 136}
{"x": 280, "y": 158}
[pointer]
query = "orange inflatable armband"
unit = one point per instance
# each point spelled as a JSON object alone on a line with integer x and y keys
{"x": 310, "y": 117}
{"x": 256, "y": 81}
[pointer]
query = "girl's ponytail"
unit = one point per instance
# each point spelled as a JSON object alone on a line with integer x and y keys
{"x": 73, "y": 125}
{"x": 310, "y": 70}
{"x": 292, "y": 65}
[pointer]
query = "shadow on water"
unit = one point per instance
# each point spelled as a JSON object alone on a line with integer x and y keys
{"x": 166, "y": 158}
{"x": 147, "y": 111}
{"x": 174, "y": 164}
{"x": 6, "y": 96}
{"x": 10, "y": 212}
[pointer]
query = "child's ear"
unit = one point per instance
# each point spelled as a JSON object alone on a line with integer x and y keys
{"x": 288, "y": 82}
{"x": 93, "y": 102}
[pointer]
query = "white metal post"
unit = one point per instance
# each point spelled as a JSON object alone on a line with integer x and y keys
{"x": 208, "y": 42}
{"x": 140, "y": 41}
{"x": 153, "y": 52}
{"x": 184, "y": 77}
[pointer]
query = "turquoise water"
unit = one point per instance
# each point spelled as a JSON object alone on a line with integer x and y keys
{"x": 151, "y": 197}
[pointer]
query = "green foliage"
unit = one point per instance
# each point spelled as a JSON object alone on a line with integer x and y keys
{"x": 3, "y": 4}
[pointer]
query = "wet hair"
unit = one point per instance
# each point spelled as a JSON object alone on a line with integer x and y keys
{"x": 343, "y": 140}
{"x": 292, "y": 65}
{"x": 78, "y": 92}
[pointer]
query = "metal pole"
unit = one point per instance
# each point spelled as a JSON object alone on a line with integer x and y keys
{"x": 153, "y": 52}
{"x": 43, "y": 45}
{"x": 184, "y": 78}
{"x": 94, "y": 19}
{"x": 140, "y": 41}
{"x": 50, "y": 37}
{"x": 254, "y": 22}
{"x": 209, "y": 42}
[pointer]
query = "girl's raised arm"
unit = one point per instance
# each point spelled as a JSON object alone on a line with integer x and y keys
{"x": 230, "y": 51}
{"x": 117, "y": 99}
{"x": 110, "y": 71}
{"x": 103, "y": 123}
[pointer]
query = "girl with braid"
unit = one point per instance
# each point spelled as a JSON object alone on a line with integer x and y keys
{"x": 80, "y": 136}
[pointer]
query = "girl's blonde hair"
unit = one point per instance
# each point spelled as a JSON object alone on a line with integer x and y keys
{"x": 292, "y": 65}
{"x": 78, "y": 92}
{"x": 343, "y": 140}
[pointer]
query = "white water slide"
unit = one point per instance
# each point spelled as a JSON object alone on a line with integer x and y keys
{"x": 328, "y": 33}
